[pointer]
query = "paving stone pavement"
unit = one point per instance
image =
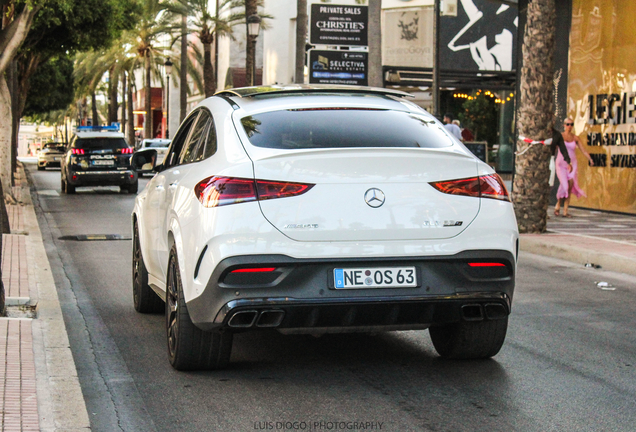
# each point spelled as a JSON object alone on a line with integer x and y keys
{"x": 33, "y": 336}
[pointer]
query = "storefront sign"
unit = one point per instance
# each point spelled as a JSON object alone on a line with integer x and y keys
{"x": 338, "y": 25}
{"x": 602, "y": 101}
{"x": 338, "y": 67}
{"x": 407, "y": 39}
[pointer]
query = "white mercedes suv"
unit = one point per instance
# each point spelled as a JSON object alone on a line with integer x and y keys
{"x": 311, "y": 209}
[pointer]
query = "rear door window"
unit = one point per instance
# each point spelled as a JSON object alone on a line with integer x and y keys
{"x": 172, "y": 158}
{"x": 342, "y": 128}
{"x": 193, "y": 151}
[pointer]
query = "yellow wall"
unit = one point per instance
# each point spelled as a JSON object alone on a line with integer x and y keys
{"x": 603, "y": 61}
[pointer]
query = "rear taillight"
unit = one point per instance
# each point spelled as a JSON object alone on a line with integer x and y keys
{"x": 218, "y": 191}
{"x": 76, "y": 151}
{"x": 486, "y": 264}
{"x": 488, "y": 186}
{"x": 127, "y": 151}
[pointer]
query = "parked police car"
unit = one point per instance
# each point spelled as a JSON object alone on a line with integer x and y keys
{"x": 98, "y": 156}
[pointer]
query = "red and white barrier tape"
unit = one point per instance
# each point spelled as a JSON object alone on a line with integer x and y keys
{"x": 532, "y": 142}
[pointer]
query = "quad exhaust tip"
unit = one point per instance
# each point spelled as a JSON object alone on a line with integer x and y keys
{"x": 243, "y": 319}
{"x": 263, "y": 319}
{"x": 270, "y": 318}
{"x": 478, "y": 312}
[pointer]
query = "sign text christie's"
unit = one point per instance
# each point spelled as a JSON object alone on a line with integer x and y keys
{"x": 338, "y": 25}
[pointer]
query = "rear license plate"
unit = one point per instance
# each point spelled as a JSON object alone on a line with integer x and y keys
{"x": 377, "y": 277}
{"x": 103, "y": 162}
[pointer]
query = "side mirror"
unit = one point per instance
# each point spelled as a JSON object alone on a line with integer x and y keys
{"x": 144, "y": 160}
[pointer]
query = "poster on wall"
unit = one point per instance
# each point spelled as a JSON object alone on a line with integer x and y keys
{"x": 481, "y": 37}
{"x": 338, "y": 67}
{"x": 604, "y": 108}
{"x": 338, "y": 25}
{"x": 407, "y": 39}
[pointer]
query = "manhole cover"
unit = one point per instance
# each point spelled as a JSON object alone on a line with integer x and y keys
{"x": 95, "y": 237}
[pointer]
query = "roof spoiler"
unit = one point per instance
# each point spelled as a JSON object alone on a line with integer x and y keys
{"x": 244, "y": 92}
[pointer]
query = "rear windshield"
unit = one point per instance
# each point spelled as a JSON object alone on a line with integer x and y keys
{"x": 157, "y": 144}
{"x": 100, "y": 143}
{"x": 340, "y": 128}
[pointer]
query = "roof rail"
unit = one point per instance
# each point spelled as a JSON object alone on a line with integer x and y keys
{"x": 244, "y": 92}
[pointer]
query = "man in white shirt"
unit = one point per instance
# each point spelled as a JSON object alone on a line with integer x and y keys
{"x": 452, "y": 128}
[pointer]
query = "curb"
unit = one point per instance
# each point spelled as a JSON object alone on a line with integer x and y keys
{"x": 61, "y": 403}
{"x": 540, "y": 244}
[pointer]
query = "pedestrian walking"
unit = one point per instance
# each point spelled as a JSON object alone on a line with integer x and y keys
{"x": 452, "y": 128}
{"x": 567, "y": 169}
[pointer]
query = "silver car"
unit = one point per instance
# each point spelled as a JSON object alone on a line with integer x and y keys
{"x": 50, "y": 155}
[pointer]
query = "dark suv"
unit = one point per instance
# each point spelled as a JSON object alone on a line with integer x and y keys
{"x": 98, "y": 157}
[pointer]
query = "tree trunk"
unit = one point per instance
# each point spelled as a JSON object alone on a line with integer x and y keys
{"x": 123, "y": 103}
{"x": 94, "y": 109}
{"x": 131, "y": 117}
{"x": 148, "y": 101}
{"x": 250, "y": 45}
{"x": 209, "y": 81}
{"x": 13, "y": 34}
{"x": 183, "y": 75}
{"x": 375, "y": 43}
{"x": 113, "y": 104}
{"x": 535, "y": 117}
{"x": 216, "y": 47}
{"x": 16, "y": 113}
{"x": 301, "y": 40}
{"x": 6, "y": 120}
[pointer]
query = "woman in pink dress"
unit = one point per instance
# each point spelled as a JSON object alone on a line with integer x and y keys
{"x": 567, "y": 172}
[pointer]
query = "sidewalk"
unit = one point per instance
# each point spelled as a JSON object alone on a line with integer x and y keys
{"x": 589, "y": 237}
{"x": 40, "y": 387}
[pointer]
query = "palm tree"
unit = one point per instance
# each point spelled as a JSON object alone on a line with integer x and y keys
{"x": 154, "y": 23}
{"x": 207, "y": 27}
{"x": 535, "y": 117}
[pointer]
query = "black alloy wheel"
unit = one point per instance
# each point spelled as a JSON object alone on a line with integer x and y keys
{"x": 189, "y": 347}
{"x": 145, "y": 299}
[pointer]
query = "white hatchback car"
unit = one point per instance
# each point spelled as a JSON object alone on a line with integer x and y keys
{"x": 311, "y": 209}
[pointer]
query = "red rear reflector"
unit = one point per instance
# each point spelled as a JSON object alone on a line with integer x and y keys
{"x": 488, "y": 186}
{"x": 218, "y": 191}
{"x": 254, "y": 270}
{"x": 77, "y": 151}
{"x": 486, "y": 265}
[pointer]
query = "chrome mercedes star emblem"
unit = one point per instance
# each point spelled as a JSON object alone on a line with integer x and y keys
{"x": 374, "y": 197}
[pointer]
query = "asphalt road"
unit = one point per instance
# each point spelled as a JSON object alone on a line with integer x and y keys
{"x": 569, "y": 361}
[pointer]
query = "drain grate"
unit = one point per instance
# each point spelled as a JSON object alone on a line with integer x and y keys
{"x": 95, "y": 237}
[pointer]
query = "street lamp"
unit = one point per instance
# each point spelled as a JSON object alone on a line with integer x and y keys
{"x": 253, "y": 28}
{"x": 168, "y": 66}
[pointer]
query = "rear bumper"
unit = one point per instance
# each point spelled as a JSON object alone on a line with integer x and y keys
{"x": 300, "y": 296}
{"x": 50, "y": 160}
{"x": 102, "y": 178}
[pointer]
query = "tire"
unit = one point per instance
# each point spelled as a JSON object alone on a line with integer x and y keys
{"x": 469, "y": 339}
{"x": 133, "y": 188}
{"x": 145, "y": 299}
{"x": 70, "y": 189}
{"x": 190, "y": 348}
{"x": 41, "y": 167}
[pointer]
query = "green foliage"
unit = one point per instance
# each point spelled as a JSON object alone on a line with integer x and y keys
{"x": 480, "y": 116}
{"x": 78, "y": 25}
{"x": 51, "y": 86}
